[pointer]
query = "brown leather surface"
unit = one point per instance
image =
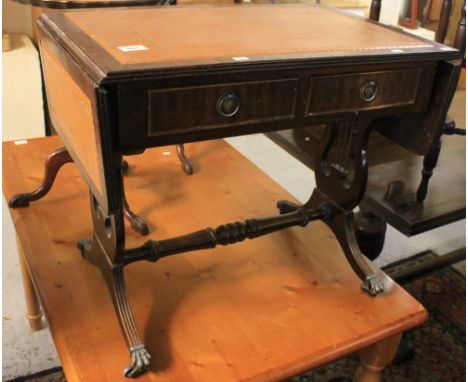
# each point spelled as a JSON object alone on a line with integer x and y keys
{"x": 204, "y": 33}
{"x": 71, "y": 111}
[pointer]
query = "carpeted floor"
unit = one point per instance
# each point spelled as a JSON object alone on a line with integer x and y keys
{"x": 439, "y": 344}
{"x": 439, "y": 351}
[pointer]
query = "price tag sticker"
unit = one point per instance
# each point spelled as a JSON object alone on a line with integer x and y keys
{"x": 21, "y": 142}
{"x": 242, "y": 58}
{"x": 132, "y": 48}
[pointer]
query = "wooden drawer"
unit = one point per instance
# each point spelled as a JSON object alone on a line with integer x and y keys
{"x": 363, "y": 91}
{"x": 215, "y": 106}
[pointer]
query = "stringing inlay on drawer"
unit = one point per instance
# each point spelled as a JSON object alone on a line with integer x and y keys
{"x": 362, "y": 91}
{"x": 213, "y": 106}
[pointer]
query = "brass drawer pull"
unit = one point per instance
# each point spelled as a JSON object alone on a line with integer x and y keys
{"x": 228, "y": 105}
{"x": 369, "y": 91}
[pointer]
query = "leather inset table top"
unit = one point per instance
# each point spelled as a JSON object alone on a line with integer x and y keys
{"x": 182, "y": 35}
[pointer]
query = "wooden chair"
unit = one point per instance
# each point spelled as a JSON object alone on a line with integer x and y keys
{"x": 449, "y": 127}
{"x": 370, "y": 228}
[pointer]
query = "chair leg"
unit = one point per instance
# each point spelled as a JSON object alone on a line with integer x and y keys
{"x": 185, "y": 162}
{"x": 430, "y": 162}
{"x": 53, "y": 164}
{"x": 374, "y": 359}
{"x": 33, "y": 308}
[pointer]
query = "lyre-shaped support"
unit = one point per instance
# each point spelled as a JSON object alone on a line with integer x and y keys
{"x": 341, "y": 177}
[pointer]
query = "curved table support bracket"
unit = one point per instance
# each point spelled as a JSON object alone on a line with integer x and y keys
{"x": 53, "y": 164}
{"x": 109, "y": 238}
{"x": 341, "y": 177}
{"x": 60, "y": 157}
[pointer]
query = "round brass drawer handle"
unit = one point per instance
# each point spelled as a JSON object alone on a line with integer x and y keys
{"x": 369, "y": 91}
{"x": 228, "y": 105}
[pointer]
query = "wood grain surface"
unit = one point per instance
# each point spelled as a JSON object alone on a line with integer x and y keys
{"x": 262, "y": 310}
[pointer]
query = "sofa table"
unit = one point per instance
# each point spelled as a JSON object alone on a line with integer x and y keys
{"x": 122, "y": 80}
{"x": 262, "y": 311}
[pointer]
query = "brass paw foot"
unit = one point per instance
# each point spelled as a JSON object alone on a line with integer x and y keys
{"x": 141, "y": 360}
{"x": 372, "y": 285}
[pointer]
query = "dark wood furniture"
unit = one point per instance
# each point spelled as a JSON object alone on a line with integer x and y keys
{"x": 118, "y": 85}
{"x": 263, "y": 311}
{"x": 411, "y": 215}
{"x": 61, "y": 156}
{"x": 390, "y": 190}
{"x": 394, "y": 175}
{"x": 449, "y": 127}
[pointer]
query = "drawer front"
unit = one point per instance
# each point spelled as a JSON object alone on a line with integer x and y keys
{"x": 214, "y": 106}
{"x": 363, "y": 91}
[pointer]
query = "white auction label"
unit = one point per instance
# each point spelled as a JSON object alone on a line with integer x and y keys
{"x": 21, "y": 142}
{"x": 242, "y": 58}
{"x": 132, "y": 48}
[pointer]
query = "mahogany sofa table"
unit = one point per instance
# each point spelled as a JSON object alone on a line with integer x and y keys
{"x": 121, "y": 80}
{"x": 262, "y": 311}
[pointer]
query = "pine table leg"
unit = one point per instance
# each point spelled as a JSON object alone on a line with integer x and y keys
{"x": 33, "y": 308}
{"x": 375, "y": 357}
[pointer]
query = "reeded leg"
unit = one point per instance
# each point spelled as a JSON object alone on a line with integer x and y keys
{"x": 33, "y": 308}
{"x": 107, "y": 230}
{"x": 53, "y": 164}
{"x": 375, "y": 358}
{"x": 141, "y": 359}
{"x": 186, "y": 165}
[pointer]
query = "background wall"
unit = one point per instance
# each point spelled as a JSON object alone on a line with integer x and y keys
{"x": 16, "y": 18}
